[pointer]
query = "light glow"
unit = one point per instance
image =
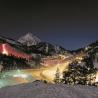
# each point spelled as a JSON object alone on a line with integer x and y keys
{"x": 96, "y": 80}
{"x": 4, "y": 49}
{"x": 20, "y": 75}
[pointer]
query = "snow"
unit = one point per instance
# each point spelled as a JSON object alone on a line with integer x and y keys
{"x": 41, "y": 90}
{"x": 29, "y": 39}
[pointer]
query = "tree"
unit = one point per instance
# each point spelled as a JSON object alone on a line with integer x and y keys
{"x": 57, "y": 76}
{"x": 75, "y": 75}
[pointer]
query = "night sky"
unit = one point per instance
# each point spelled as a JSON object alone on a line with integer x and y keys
{"x": 72, "y": 24}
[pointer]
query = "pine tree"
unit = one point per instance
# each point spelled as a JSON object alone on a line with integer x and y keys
{"x": 57, "y": 76}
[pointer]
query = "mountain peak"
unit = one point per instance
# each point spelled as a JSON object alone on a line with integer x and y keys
{"x": 29, "y": 39}
{"x": 29, "y": 34}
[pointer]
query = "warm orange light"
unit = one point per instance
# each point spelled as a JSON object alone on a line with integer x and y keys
{"x": 96, "y": 80}
{"x": 4, "y": 49}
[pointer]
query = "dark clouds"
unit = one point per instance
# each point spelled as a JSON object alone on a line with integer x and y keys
{"x": 71, "y": 24}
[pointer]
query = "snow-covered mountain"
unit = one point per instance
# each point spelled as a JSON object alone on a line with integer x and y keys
{"x": 33, "y": 44}
{"x": 48, "y": 49}
{"x": 29, "y": 39}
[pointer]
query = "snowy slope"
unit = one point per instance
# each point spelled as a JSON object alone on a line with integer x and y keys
{"x": 42, "y": 90}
